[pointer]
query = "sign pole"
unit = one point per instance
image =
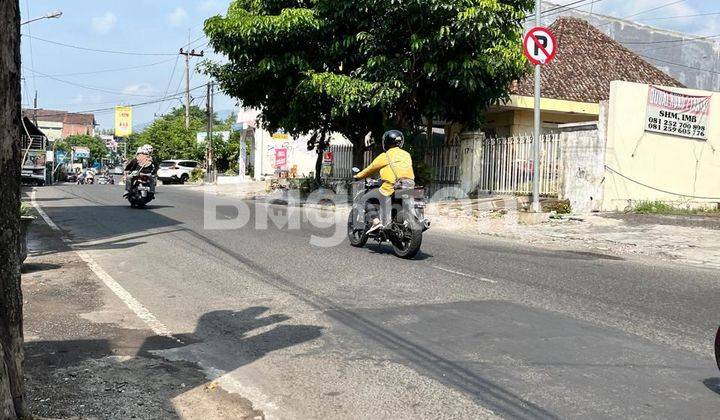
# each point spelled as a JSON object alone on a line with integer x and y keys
{"x": 536, "y": 134}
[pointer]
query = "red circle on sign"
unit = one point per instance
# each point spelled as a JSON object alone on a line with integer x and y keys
{"x": 549, "y": 55}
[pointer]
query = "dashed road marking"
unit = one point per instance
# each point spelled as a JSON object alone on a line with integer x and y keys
{"x": 447, "y": 270}
{"x": 138, "y": 308}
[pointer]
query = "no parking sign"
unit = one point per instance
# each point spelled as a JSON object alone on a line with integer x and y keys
{"x": 540, "y": 45}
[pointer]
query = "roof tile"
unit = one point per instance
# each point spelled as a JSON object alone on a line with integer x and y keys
{"x": 586, "y": 62}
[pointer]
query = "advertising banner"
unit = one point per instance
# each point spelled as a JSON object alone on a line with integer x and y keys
{"x": 123, "y": 121}
{"x": 677, "y": 114}
{"x": 281, "y": 158}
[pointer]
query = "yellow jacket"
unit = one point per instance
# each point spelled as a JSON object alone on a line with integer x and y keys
{"x": 401, "y": 163}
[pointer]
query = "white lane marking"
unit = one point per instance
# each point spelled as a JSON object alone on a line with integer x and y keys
{"x": 138, "y": 308}
{"x": 485, "y": 279}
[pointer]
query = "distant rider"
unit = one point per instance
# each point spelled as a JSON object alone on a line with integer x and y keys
{"x": 142, "y": 162}
{"x": 394, "y": 166}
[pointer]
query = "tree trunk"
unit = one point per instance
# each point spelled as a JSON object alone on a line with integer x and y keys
{"x": 321, "y": 146}
{"x": 358, "y": 157}
{"x": 11, "y": 333}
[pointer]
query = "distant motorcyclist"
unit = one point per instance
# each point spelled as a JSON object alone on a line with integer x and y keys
{"x": 142, "y": 162}
{"x": 395, "y": 167}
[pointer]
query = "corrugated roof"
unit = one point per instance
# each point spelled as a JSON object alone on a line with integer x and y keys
{"x": 586, "y": 62}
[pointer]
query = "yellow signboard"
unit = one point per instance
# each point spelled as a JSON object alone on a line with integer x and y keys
{"x": 123, "y": 121}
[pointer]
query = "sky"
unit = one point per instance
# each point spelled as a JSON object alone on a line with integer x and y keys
{"x": 152, "y": 32}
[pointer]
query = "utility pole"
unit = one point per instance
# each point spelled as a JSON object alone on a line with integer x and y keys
{"x": 187, "y": 55}
{"x": 210, "y": 154}
{"x": 35, "y": 110}
{"x": 536, "y": 134}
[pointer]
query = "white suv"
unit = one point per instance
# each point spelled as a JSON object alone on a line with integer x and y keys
{"x": 175, "y": 170}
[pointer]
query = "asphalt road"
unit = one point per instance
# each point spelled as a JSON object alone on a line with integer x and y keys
{"x": 472, "y": 328}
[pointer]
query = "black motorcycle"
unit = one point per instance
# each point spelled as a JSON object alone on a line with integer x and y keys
{"x": 141, "y": 189}
{"x": 408, "y": 219}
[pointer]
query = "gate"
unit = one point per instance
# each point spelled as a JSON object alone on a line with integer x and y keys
{"x": 444, "y": 163}
{"x": 507, "y": 165}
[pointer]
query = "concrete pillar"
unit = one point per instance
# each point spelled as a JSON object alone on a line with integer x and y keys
{"x": 470, "y": 160}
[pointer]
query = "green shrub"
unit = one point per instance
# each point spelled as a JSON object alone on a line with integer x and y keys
{"x": 197, "y": 175}
{"x": 654, "y": 207}
{"x": 659, "y": 207}
{"x": 558, "y": 206}
{"x": 24, "y": 209}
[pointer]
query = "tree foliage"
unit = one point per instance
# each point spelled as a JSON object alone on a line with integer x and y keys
{"x": 169, "y": 137}
{"x": 98, "y": 149}
{"x": 353, "y": 65}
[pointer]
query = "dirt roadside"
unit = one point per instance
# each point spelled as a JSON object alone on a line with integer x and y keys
{"x": 87, "y": 356}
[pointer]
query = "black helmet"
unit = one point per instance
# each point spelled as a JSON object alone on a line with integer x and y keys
{"x": 392, "y": 138}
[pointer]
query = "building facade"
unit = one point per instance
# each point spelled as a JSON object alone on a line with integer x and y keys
{"x": 60, "y": 124}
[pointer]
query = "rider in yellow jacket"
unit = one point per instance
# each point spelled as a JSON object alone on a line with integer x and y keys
{"x": 395, "y": 163}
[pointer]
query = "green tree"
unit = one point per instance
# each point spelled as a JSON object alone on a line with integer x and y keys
{"x": 98, "y": 149}
{"x": 357, "y": 65}
{"x": 170, "y": 138}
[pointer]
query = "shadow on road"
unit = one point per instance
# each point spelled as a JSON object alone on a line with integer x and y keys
{"x": 123, "y": 376}
{"x": 713, "y": 384}
{"x": 386, "y": 249}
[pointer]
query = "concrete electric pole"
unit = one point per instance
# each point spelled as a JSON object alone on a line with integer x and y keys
{"x": 187, "y": 55}
{"x": 536, "y": 133}
{"x": 210, "y": 154}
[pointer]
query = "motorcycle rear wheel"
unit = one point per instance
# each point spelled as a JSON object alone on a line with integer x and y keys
{"x": 357, "y": 238}
{"x": 409, "y": 245}
{"x": 717, "y": 348}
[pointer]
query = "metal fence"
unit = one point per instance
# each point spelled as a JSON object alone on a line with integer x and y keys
{"x": 507, "y": 165}
{"x": 444, "y": 163}
{"x": 343, "y": 161}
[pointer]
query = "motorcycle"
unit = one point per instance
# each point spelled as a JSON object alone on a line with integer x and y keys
{"x": 140, "y": 192}
{"x": 408, "y": 219}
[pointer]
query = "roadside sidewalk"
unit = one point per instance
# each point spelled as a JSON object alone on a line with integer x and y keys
{"x": 87, "y": 355}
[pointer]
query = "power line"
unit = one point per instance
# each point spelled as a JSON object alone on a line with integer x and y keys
{"x": 678, "y": 64}
{"x": 667, "y": 41}
{"x": 654, "y": 8}
{"x": 172, "y": 75}
{"x": 658, "y": 189}
{"x": 565, "y": 7}
{"x": 77, "y": 47}
{"x": 97, "y": 110}
{"x": 98, "y": 89}
{"x": 109, "y": 70}
{"x": 683, "y": 16}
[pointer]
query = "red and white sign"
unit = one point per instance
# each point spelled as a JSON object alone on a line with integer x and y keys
{"x": 328, "y": 158}
{"x": 540, "y": 45}
{"x": 280, "y": 158}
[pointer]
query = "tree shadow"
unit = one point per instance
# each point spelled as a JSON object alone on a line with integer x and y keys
{"x": 28, "y": 268}
{"x": 113, "y": 375}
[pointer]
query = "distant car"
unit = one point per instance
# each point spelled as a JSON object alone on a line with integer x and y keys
{"x": 72, "y": 177}
{"x": 175, "y": 170}
{"x": 105, "y": 180}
